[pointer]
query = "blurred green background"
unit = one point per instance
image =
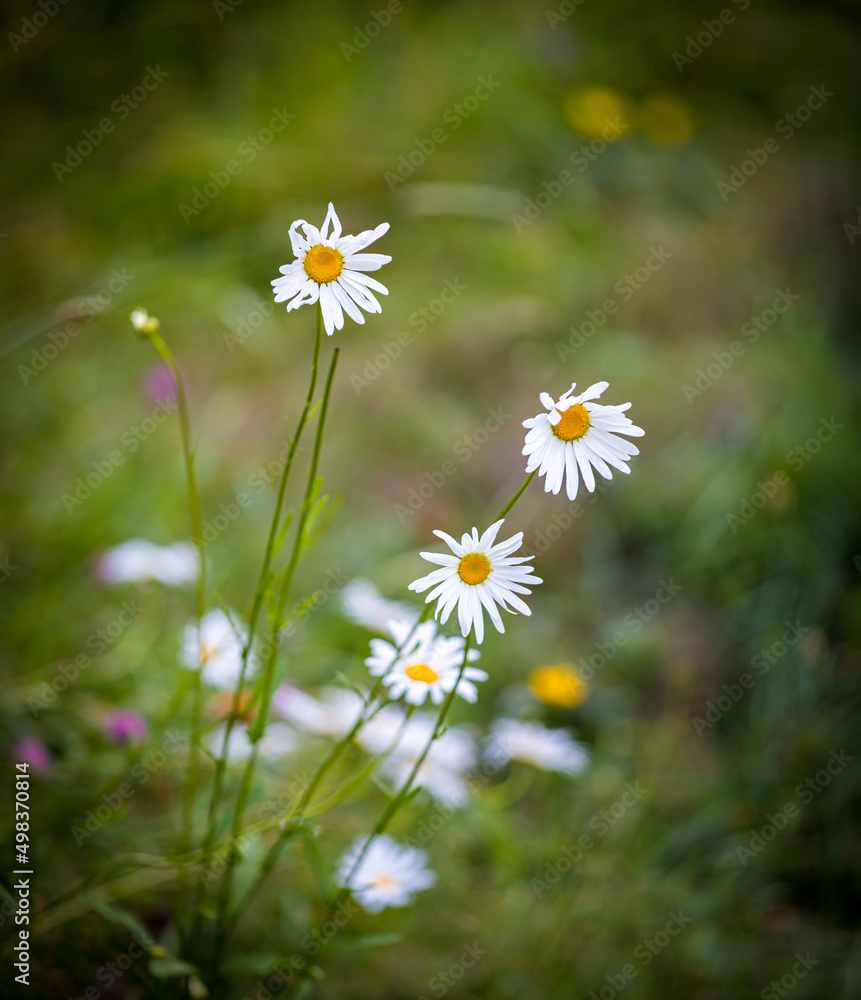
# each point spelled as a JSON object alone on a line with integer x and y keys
{"x": 85, "y": 238}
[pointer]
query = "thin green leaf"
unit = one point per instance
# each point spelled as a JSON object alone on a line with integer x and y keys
{"x": 168, "y": 967}
{"x": 119, "y": 916}
{"x": 282, "y": 534}
{"x": 368, "y": 941}
{"x": 341, "y": 793}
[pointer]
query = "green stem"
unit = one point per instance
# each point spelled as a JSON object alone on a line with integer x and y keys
{"x": 260, "y": 591}
{"x": 516, "y": 497}
{"x": 256, "y": 732}
{"x": 195, "y": 511}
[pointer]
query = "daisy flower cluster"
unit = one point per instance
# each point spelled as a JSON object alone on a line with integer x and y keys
{"x": 417, "y": 670}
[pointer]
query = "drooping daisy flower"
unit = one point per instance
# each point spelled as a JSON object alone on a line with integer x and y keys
{"x": 429, "y": 664}
{"x": 364, "y": 605}
{"x": 443, "y": 772}
{"x": 388, "y": 875}
{"x": 333, "y": 714}
{"x": 221, "y": 638}
{"x": 548, "y": 749}
{"x": 577, "y": 435}
{"x": 328, "y": 267}
{"x": 137, "y": 560}
{"x": 479, "y": 575}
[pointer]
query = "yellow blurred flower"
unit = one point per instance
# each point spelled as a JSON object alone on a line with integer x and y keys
{"x": 560, "y": 686}
{"x": 591, "y": 110}
{"x": 666, "y": 119}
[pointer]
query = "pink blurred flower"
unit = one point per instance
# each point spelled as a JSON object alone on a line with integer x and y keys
{"x": 160, "y": 384}
{"x": 125, "y": 726}
{"x": 33, "y": 752}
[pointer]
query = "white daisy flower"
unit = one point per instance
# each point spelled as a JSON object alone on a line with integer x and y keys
{"x": 364, "y": 605}
{"x": 443, "y": 771}
{"x": 333, "y": 714}
{"x": 388, "y": 875}
{"x": 479, "y": 574}
{"x": 577, "y": 435}
{"x": 548, "y": 749}
{"x": 277, "y": 741}
{"x": 428, "y": 664}
{"x": 137, "y": 560}
{"x": 222, "y": 637}
{"x": 328, "y": 267}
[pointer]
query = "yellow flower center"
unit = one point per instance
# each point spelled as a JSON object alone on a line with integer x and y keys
{"x": 383, "y": 882}
{"x": 422, "y": 672}
{"x": 323, "y": 264}
{"x": 559, "y": 686}
{"x": 207, "y": 652}
{"x": 474, "y": 568}
{"x": 573, "y": 424}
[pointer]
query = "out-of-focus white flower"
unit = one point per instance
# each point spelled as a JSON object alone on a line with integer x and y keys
{"x": 479, "y": 576}
{"x": 277, "y": 741}
{"x": 333, "y": 714}
{"x": 364, "y": 604}
{"x": 532, "y": 743}
{"x": 388, "y": 875}
{"x": 443, "y": 773}
{"x": 577, "y": 435}
{"x": 137, "y": 559}
{"x": 222, "y": 638}
{"x": 428, "y": 664}
{"x": 329, "y": 267}
{"x": 378, "y": 734}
